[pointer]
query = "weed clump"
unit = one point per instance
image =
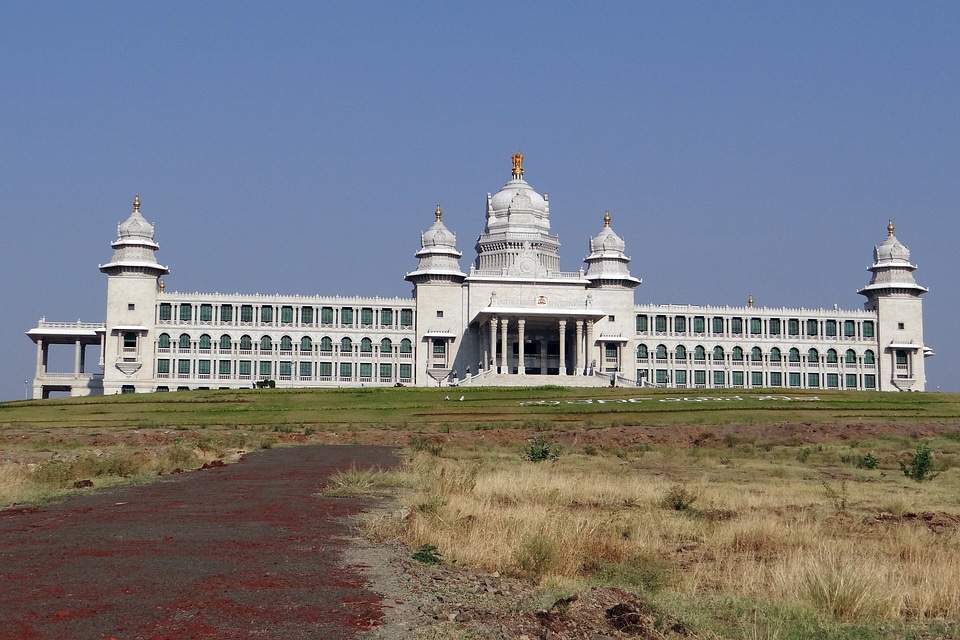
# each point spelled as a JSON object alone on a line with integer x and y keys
{"x": 679, "y": 498}
{"x": 920, "y": 467}
{"x": 539, "y": 449}
{"x": 428, "y": 554}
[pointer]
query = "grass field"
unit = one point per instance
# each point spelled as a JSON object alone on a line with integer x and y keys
{"x": 747, "y": 515}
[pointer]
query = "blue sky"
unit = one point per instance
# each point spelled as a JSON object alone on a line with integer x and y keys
{"x": 741, "y": 148}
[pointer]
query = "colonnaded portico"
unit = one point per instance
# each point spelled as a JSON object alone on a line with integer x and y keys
{"x": 534, "y": 342}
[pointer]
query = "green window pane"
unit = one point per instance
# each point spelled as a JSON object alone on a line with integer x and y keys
{"x": 246, "y": 313}
{"x": 386, "y": 346}
{"x": 184, "y": 341}
{"x": 326, "y": 315}
{"x": 286, "y": 314}
{"x": 163, "y": 365}
{"x": 186, "y": 313}
{"x": 346, "y": 370}
{"x": 224, "y": 367}
{"x": 868, "y": 328}
{"x": 306, "y": 315}
{"x": 661, "y": 352}
{"x": 849, "y": 329}
{"x": 286, "y": 343}
{"x": 165, "y": 311}
{"x": 756, "y": 326}
{"x": 326, "y": 344}
{"x": 406, "y": 371}
{"x": 813, "y": 380}
{"x": 833, "y": 380}
{"x": 205, "y": 341}
{"x": 366, "y": 345}
{"x": 183, "y": 367}
{"x": 366, "y": 370}
{"x": 286, "y": 368}
{"x": 793, "y": 327}
{"x": 346, "y": 315}
{"x": 719, "y": 379}
{"x": 700, "y": 376}
{"x": 246, "y": 343}
{"x": 386, "y": 317}
{"x": 406, "y": 346}
{"x": 406, "y": 317}
{"x": 206, "y": 313}
{"x": 794, "y": 355}
{"x": 736, "y": 325}
{"x": 641, "y": 322}
{"x": 325, "y": 369}
{"x": 851, "y": 381}
{"x": 266, "y": 314}
{"x": 266, "y": 368}
{"x": 776, "y": 379}
{"x": 163, "y": 341}
{"x": 366, "y": 316}
{"x": 756, "y": 378}
{"x": 718, "y": 353}
{"x": 660, "y": 323}
{"x": 346, "y": 345}
{"x": 306, "y": 369}
{"x": 641, "y": 352}
{"x": 813, "y": 328}
{"x": 813, "y": 356}
{"x": 680, "y": 376}
{"x": 737, "y": 354}
{"x": 831, "y": 356}
{"x": 794, "y": 379}
{"x": 756, "y": 355}
{"x": 306, "y": 344}
{"x": 718, "y": 325}
{"x": 773, "y": 326}
{"x": 203, "y": 367}
{"x": 680, "y": 324}
{"x": 661, "y": 376}
{"x": 775, "y": 355}
{"x": 736, "y": 378}
{"x": 266, "y": 344}
{"x": 386, "y": 371}
{"x": 830, "y": 328}
{"x": 699, "y": 353}
{"x": 850, "y": 357}
{"x": 243, "y": 368}
{"x": 226, "y": 313}
{"x": 868, "y": 357}
{"x": 439, "y": 347}
{"x": 698, "y": 324}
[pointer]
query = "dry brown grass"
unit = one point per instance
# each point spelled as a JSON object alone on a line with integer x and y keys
{"x": 763, "y": 528}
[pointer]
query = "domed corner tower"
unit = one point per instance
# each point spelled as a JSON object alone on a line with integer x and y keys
{"x": 895, "y": 297}
{"x": 133, "y": 284}
{"x": 607, "y": 262}
{"x": 437, "y": 283}
{"x": 516, "y": 239}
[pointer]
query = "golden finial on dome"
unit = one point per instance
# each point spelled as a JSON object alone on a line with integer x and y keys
{"x": 136, "y": 203}
{"x": 606, "y": 218}
{"x": 890, "y": 228}
{"x": 750, "y": 301}
{"x": 517, "y": 165}
{"x": 438, "y": 213}
{"x": 163, "y": 286}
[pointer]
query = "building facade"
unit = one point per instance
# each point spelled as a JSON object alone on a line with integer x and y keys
{"x": 513, "y": 318}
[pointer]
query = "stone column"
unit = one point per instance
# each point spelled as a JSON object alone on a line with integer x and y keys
{"x": 520, "y": 325}
{"x": 563, "y": 347}
{"x": 544, "y": 361}
{"x": 76, "y": 358}
{"x": 591, "y": 350}
{"x": 578, "y": 366}
{"x": 83, "y": 358}
{"x": 492, "y": 364}
{"x": 504, "y": 351}
{"x": 41, "y": 358}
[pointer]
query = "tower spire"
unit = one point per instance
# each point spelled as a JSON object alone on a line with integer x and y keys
{"x": 890, "y": 228}
{"x": 136, "y": 203}
{"x": 438, "y": 213}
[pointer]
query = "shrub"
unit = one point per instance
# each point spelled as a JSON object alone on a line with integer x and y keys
{"x": 539, "y": 449}
{"x": 419, "y": 443}
{"x": 428, "y": 554}
{"x": 678, "y": 498}
{"x": 920, "y": 467}
{"x": 868, "y": 461}
{"x": 536, "y": 555}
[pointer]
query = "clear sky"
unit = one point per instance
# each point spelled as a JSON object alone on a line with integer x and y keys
{"x": 741, "y": 147}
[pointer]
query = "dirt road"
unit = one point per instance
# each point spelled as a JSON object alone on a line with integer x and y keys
{"x": 246, "y": 550}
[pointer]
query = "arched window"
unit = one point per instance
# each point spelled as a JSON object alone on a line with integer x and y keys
{"x": 163, "y": 341}
{"x": 306, "y": 344}
{"x": 326, "y": 343}
{"x": 756, "y": 355}
{"x": 813, "y": 356}
{"x": 386, "y": 346}
{"x": 366, "y": 345}
{"x": 775, "y": 355}
{"x": 204, "y": 341}
{"x": 736, "y": 354}
{"x": 184, "y": 341}
{"x": 266, "y": 344}
{"x": 794, "y": 355}
{"x": 346, "y": 345}
{"x": 286, "y": 343}
{"x": 680, "y": 353}
{"x": 642, "y": 352}
{"x": 246, "y": 343}
{"x": 224, "y": 342}
{"x": 699, "y": 353}
{"x": 850, "y": 357}
{"x": 661, "y": 352}
{"x": 832, "y": 356}
{"x": 718, "y": 353}
{"x": 406, "y": 346}
{"x": 868, "y": 357}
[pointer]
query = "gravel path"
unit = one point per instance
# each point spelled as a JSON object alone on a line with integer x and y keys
{"x": 246, "y": 550}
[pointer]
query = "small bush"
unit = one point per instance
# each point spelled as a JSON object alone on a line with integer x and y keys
{"x": 428, "y": 554}
{"x": 920, "y": 467}
{"x": 678, "y": 498}
{"x": 419, "y": 443}
{"x": 539, "y": 449}
{"x": 536, "y": 555}
{"x": 868, "y": 461}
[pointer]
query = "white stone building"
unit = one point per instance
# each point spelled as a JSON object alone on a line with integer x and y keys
{"x": 513, "y": 318}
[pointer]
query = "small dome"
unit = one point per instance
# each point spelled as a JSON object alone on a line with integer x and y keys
{"x": 891, "y": 250}
{"x": 607, "y": 240}
{"x": 438, "y": 235}
{"x": 136, "y": 225}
